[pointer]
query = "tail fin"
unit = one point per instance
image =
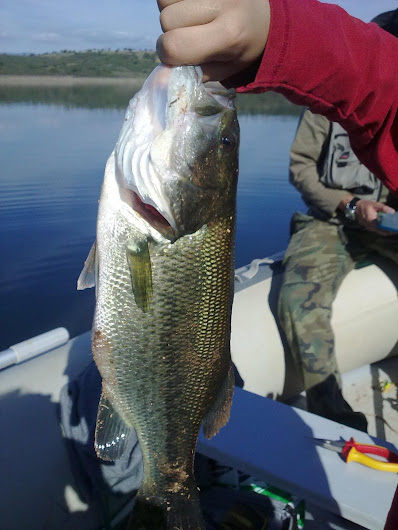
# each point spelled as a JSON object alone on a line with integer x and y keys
{"x": 176, "y": 512}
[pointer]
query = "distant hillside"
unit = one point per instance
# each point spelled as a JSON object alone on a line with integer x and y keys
{"x": 91, "y": 63}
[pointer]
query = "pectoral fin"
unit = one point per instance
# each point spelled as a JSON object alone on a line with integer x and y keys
{"x": 218, "y": 414}
{"x": 88, "y": 275}
{"x": 111, "y": 432}
{"x": 139, "y": 261}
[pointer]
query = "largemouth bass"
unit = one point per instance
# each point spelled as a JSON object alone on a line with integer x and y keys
{"x": 164, "y": 269}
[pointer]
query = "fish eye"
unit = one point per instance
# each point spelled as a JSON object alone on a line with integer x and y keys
{"x": 227, "y": 142}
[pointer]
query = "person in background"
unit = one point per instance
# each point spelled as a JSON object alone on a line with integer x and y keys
{"x": 338, "y": 233}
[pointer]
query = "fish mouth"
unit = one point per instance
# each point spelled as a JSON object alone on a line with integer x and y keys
{"x": 151, "y": 215}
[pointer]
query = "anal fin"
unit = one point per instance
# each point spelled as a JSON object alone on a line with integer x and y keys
{"x": 111, "y": 432}
{"x": 218, "y": 414}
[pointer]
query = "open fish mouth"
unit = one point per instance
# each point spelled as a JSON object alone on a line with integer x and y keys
{"x": 154, "y": 217}
{"x": 150, "y": 214}
{"x": 167, "y": 129}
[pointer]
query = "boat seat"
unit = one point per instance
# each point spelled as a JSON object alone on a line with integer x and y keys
{"x": 364, "y": 320}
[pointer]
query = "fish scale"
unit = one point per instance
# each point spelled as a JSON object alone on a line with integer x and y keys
{"x": 168, "y": 324}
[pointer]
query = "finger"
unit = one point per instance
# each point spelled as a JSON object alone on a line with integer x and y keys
{"x": 385, "y": 233}
{"x": 164, "y": 3}
{"x": 387, "y": 209}
{"x": 373, "y": 227}
{"x": 194, "y": 45}
{"x": 220, "y": 70}
{"x": 188, "y": 13}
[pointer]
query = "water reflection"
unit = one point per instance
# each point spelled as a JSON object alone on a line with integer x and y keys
{"x": 118, "y": 94}
{"x": 78, "y": 96}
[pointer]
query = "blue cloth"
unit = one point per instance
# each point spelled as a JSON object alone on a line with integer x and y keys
{"x": 95, "y": 478}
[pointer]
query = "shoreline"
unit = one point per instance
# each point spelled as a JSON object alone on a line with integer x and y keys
{"x": 113, "y": 92}
{"x": 68, "y": 80}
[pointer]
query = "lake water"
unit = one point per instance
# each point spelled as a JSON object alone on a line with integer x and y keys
{"x": 52, "y": 161}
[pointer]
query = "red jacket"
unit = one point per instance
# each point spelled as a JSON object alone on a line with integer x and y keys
{"x": 318, "y": 55}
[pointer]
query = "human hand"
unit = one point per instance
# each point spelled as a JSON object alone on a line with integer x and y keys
{"x": 366, "y": 215}
{"x": 223, "y": 36}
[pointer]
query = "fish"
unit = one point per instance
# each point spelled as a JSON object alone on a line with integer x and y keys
{"x": 163, "y": 270}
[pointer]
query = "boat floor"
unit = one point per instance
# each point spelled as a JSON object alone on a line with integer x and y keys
{"x": 373, "y": 390}
{"x": 28, "y": 408}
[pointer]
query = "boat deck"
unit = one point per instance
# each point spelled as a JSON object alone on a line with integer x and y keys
{"x": 40, "y": 490}
{"x": 373, "y": 390}
{"x": 274, "y": 443}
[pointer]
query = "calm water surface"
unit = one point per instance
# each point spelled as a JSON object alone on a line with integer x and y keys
{"x": 52, "y": 162}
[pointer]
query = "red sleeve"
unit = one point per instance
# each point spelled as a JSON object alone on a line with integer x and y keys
{"x": 392, "y": 518}
{"x": 318, "y": 55}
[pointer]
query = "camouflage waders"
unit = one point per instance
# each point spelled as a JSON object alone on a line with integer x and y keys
{"x": 318, "y": 258}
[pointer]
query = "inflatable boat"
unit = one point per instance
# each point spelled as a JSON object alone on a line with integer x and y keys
{"x": 37, "y": 487}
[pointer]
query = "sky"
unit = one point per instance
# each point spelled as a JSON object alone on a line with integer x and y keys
{"x": 40, "y": 26}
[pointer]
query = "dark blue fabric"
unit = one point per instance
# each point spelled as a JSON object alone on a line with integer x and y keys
{"x": 78, "y": 406}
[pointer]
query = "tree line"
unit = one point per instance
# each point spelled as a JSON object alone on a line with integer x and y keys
{"x": 89, "y": 63}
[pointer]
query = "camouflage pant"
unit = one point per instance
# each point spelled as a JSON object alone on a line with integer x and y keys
{"x": 318, "y": 258}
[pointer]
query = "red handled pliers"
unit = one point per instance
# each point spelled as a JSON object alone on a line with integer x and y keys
{"x": 353, "y": 451}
